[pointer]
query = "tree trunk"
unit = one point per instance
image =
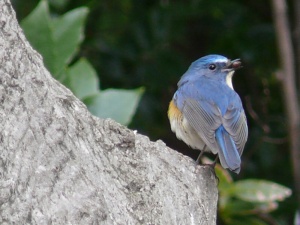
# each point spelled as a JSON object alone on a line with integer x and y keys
{"x": 61, "y": 165}
{"x": 287, "y": 77}
{"x": 296, "y": 35}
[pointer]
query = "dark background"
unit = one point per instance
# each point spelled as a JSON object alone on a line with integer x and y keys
{"x": 134, "y": 43}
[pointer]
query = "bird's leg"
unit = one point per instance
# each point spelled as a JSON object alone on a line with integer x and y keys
{"x": 215, "y": 161}
{"x": 200, "y": 155}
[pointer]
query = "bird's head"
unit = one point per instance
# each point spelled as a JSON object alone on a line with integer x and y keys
{"x": 214, "y": 67}
{"x": 213, "y": 64}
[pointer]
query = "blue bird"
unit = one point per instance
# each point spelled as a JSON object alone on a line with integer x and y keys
{"x": 207, "y": 114}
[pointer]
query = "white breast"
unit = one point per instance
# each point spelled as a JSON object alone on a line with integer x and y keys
{"x": 186, "y": 133}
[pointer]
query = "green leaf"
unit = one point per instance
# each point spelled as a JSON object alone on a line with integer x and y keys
{"x": 240, "y": 207}
{"x": 82, "y": 79}
{"x": 237, "y": 207}
{"x": 56, "y": 39}
{"x": 68, "y": 33}
{"x": 37, "y": 28}
{"x": 253, "y": 190}
{"x": 117, "y": 104}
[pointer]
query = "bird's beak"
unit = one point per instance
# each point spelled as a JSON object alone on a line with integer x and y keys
{"x": 233, "y": 65}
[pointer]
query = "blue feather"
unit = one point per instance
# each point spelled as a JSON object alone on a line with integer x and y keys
{"x": 228, "y": 153}
{"x": 212, "y": 114}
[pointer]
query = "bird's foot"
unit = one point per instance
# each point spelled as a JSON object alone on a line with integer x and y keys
{"x": 198, "y": 161}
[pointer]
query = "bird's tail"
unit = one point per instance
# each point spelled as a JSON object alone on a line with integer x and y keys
{"x": 228, "y": 153}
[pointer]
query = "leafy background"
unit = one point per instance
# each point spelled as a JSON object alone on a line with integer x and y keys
{"x": 133, "y": 52}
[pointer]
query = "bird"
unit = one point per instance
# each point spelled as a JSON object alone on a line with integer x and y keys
{"x": 207, "y": 114}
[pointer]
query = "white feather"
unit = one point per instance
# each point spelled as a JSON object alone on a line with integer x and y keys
{"x": 229, "y": 79}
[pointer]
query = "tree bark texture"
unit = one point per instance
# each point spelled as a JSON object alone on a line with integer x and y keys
{"x": 61, "y": 165}
{"x": 288, "y": 79}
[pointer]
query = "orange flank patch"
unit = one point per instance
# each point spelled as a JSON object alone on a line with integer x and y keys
{"x": 173, "y": 112}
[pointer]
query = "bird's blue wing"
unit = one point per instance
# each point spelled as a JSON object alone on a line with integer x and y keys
{"x": 205, "y": 117}
{"x": 235, "y": 123}
{"x": 224, "y": 133}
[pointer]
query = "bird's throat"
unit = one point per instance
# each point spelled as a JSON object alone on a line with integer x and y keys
{"x": 229, "y": 79}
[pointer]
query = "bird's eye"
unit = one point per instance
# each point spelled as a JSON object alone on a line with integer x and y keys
{"x": 212, "y": 67}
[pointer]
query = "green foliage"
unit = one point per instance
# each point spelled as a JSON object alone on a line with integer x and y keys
{"x": 245, "y": 201}
{"x": 254, "y": 190}
{"x": 82, "y": 79}
{"x": 58, "y": 39}
{"x": 117, "y": 104}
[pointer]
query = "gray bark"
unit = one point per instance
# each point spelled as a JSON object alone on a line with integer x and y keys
{"x": 61, "y": 165}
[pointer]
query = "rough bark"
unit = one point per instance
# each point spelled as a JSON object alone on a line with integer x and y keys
{"x": 61, "y": 165}
{"x": 287, "y": 77}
